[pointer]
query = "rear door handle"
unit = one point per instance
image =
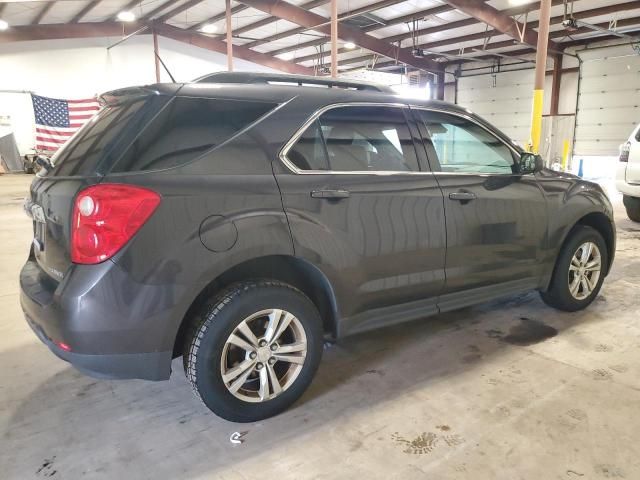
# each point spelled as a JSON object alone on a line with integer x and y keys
{"x": 462, "y": 196}
{"x": 330, "y": 194}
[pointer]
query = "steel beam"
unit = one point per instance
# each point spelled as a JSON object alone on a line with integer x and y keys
{"x": 498, "y": 20}
{"x": 302, "y": 17}
{"x": 266, "y": 21}
{"x": 84, "y": 11}
{"x": 41, "y": 13}
{"x": 218, "y": 17}
{"x": 158, "y": 9}
{"x": 320, "y": 41}
{"x": 482, "y": 35}
{"x": 310, "y": 5}
{"x": 239, "y": 51}
{"x": 179, "y": 9}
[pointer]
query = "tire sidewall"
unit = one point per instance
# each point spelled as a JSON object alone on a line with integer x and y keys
{"x": 560, "y": 284}
{"x": 243, "y": 303}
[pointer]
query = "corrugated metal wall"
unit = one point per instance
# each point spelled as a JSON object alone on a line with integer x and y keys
{"x": 609, "y": 101}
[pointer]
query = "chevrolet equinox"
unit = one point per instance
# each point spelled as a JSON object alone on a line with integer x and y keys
{"x": 240, "y": 220}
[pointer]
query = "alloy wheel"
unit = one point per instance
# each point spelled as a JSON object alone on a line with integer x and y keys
{"x": 584, "y": 270}
{"x": 264, "y": 355}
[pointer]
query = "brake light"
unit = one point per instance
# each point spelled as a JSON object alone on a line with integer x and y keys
{"x": 624, "y": 152}
{"x": 105, "y": 217}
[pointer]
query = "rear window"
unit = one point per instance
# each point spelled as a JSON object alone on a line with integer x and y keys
{"x": 186, "y": 128}
{"x": 82, "y": 153}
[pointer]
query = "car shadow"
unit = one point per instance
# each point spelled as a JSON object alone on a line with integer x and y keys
{"x": 84, "y": 426}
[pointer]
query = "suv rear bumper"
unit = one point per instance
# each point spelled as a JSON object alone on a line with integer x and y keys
{"x": 55, "y": 319}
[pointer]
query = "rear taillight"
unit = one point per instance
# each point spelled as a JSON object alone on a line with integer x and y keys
{"x": 105, "y": 217}
{"x": 624, "y": 152}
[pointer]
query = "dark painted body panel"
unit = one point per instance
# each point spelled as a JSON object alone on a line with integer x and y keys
{"x": 382, "y": 251}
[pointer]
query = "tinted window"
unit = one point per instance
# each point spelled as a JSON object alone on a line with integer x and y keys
{"x": 463, "y": 146}
{"x": 81, "y": 154}
{"x": 356, "y": 139}
{"x": 186, "y": 128}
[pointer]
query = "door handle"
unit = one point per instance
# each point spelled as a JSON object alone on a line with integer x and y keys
{"x": 463, "y": 197}
{"x": 330, "y": 194}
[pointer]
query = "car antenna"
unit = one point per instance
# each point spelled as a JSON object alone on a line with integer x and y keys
{"x": 165, "y": 67}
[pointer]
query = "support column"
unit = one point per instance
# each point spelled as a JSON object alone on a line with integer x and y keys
{"x": 334, "y": 38}
{"x": 229, "y": 37}
{"x": 556, "y": 84}
{"x": 541, "y": 67}
{"x": 156, "y": 55}
{"x": 440, "y": 86}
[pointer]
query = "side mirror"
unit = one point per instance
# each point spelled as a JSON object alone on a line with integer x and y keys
{"x": 529, "y": 163}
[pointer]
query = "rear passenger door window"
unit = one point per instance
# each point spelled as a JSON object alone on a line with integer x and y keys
{"x": 186, "y": 128}
{"x": 462, "y": 146}
{"x": 356, "y": 139}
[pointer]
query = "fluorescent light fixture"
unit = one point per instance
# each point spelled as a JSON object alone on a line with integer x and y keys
{"x": 3, "y": 25}
{"x": 350, "y": 45}
{"x": 209, "y": 28}
{"x": 287, "y": 56}
{"x": 126, "y": 16}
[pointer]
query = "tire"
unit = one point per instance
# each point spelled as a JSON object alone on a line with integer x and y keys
{"x": 559, "y": 294}
{"x": 208, "y": 352}
{"x": 632, "y": 205}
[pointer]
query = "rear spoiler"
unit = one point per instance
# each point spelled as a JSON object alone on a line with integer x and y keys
{"x": 125, "y": 95}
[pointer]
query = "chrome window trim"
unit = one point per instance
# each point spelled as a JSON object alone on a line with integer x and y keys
{"x": 296, "y": 136}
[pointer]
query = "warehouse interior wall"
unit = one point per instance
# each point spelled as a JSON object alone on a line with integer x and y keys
{"x": 605, "y": 109}
{"x": 82, "y": 68}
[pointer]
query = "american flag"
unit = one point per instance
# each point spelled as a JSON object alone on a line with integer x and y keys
{"x": 57, "y": 120}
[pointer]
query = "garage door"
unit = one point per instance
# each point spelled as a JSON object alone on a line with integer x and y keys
{"x": 609, "y": 102}
{"x": 505, "y": 102}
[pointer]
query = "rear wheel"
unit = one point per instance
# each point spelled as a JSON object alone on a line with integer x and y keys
{"x": 254, "y": 350}
{"x": 632, "y": 204}
{"x": 579, "y": 271}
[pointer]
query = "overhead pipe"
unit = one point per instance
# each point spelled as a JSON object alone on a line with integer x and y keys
{"x": 334, "y": 38}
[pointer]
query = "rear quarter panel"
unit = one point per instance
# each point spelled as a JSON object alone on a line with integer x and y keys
{"x": 245, "y": 220}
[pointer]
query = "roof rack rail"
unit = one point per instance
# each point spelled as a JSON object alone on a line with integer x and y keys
{"x": 280, "y": 78}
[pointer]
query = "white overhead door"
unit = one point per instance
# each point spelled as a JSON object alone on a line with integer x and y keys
{"x": 504, "y": 101}
{"x": 609, "y": 101}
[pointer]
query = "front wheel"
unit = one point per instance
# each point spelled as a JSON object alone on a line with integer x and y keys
{"x": 254, "y": 350}
{"x": 632, "y": 205}
{"x": 579, "y": 271}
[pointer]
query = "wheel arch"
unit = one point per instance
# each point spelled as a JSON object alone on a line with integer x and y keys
{"x": 600, "y": 222}
{"x": 285, "y": 268}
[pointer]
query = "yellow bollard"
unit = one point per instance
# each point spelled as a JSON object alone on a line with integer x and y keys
{"x": 565, "y": 154}
{"x": 536, "y": 120}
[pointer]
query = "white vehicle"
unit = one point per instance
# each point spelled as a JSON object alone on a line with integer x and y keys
{"x": 628, "y": 175}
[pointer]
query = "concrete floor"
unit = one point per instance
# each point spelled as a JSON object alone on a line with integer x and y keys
{"x": 490, "y": 392}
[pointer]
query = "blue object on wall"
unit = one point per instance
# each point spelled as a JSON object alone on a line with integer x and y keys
{"x": 581, "y": 168}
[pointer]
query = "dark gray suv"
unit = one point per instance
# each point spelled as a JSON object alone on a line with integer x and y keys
{"x": 242, "y": 219}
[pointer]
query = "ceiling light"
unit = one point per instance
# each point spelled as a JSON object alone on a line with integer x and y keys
{"x": 3, "y": 25}
{"x": 287, "y": 56}
{"x": 126, "y": 16}
{"x": 350, "y": 45}
{"x": 209, "y": 28}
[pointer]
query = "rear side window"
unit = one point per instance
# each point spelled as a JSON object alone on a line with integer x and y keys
{"x": 186, "y": 128}
{"x": 81, "y": 154}
{"x": 356, "y": 139}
